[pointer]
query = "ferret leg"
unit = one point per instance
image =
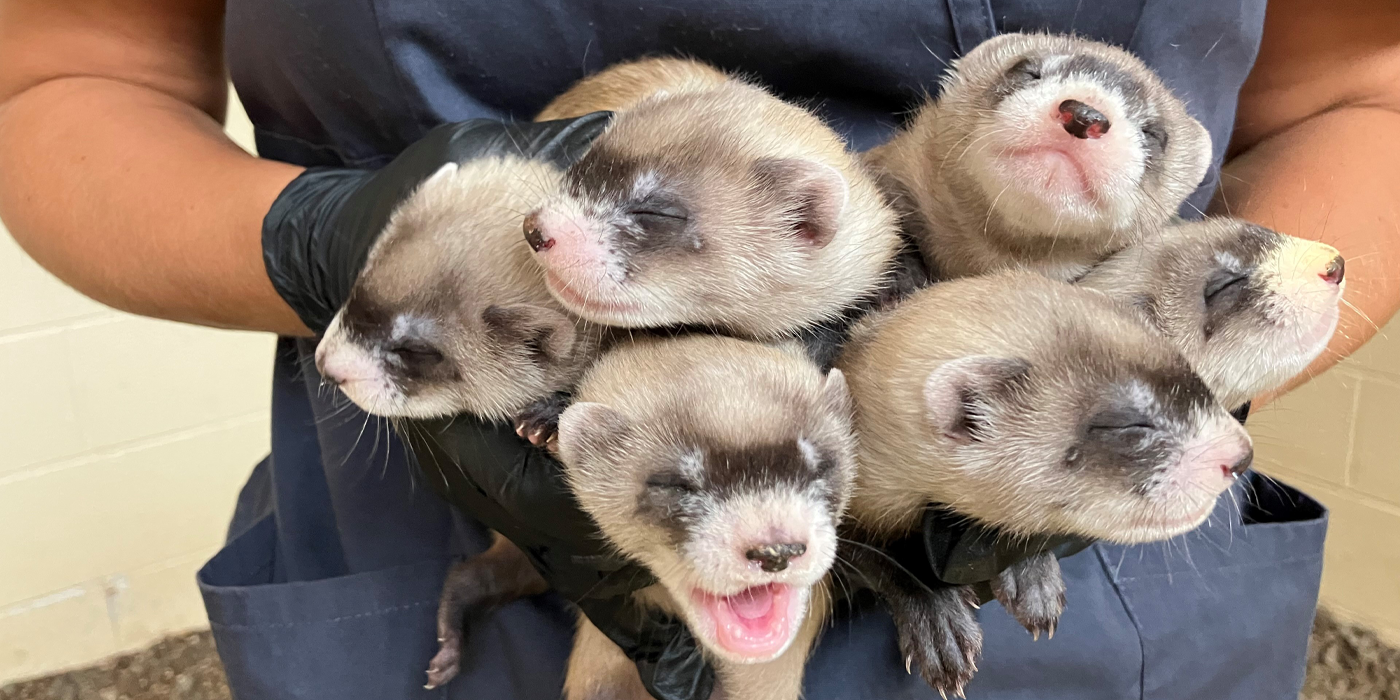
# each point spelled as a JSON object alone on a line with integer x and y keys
{"x": 495, "y": 577}
{"x": 598, "y": 670}
{"x": 1033, "y": 592}
{"x": 539, "y": 422}
{"x": 937, "y": 626}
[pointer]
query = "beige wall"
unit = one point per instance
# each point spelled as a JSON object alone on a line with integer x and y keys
{"x": 1338, "y": 438}
{"x": 123, "y": 442}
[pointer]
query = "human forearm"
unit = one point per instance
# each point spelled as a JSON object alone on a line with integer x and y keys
{"x": 1316, "y": 150}
{"x": 138, "y": 200}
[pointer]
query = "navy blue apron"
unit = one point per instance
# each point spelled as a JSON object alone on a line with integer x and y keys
{"x": 328, "y": 585}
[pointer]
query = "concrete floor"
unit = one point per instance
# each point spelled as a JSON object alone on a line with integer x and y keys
{"x": 1344, "y": 663}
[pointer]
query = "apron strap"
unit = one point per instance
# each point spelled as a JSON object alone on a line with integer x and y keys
{"x": 972, "y": 23}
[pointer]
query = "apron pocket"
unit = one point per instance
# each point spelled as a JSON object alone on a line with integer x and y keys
{"x": 368, "y": 636}
{"x": 1224, "y": 612}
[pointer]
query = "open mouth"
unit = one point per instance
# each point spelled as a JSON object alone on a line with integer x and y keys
{"x": 571, "y": 297}
{"x": 755, "y": 624}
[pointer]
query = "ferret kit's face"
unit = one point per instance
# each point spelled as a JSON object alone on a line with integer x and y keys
{"x": 1067, "y": 137}
{"x": 442, "y": 320}
{"x": 1061, "y": 415}
{"x": 1249, "y": 307}
{"x": 736, "y": 529}
{"x": 718, "y": 207}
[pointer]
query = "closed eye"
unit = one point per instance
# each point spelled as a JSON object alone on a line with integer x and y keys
{"x": 1222, "y": 283}
{"x": 670, "y": 482}
{"x": 416, "y": 352}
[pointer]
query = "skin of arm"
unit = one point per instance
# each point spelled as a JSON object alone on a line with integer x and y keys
{"x": 1316, "y": 150}
{"x": 114, "y": 171}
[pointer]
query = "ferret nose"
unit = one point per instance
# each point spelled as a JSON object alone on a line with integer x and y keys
{"x": 1083, "y": 121}
{"x": 1335, "y": 270}
{"x": 1238, "y": 468}
{"x": 534, "y": 235}
{"x": 774, "y": 557}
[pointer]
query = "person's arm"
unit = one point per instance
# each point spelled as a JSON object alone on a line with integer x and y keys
{"x": 1316, "y": 149}
{"x": 114, "y": 171}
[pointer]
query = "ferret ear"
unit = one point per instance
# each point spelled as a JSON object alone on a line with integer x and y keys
{"x": 959, "y": 394}
{"x": 446, "y": 171}
{"x": 815, "y": 192}
{"x": 544, "y": 330}
{"x": 835, "y": 392}
{"x": 590, "y": 432}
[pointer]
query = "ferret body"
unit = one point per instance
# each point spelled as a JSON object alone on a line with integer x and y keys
{"x": 723, "y": 466}
{"x": 709, "y": 202}
{"x": 1249, "y": 307}
{"x": 1034, "y": 407}
{"x": 1045, "y": 152}
{"x": 450, "y": 313}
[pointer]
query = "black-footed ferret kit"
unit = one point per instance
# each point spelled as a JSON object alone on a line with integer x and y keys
{"x": 1034, "y": 407}
{"x": 1045, "y": 152}
{"x": 724, "y": 467}
{"x": 709, "y": 202}
{"x": 450, "y": 313}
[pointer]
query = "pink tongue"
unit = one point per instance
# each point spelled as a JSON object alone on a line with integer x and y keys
{"x": 754, "y": 623}
{"x": 752, "y": 603}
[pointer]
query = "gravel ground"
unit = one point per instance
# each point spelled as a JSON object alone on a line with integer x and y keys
{"x": 1344, "y": 663}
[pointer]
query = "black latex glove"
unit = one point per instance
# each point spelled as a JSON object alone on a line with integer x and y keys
{"x": 519, "y": 491}
{"x": 320, "y": 229}
{"x": 315, "y": 240}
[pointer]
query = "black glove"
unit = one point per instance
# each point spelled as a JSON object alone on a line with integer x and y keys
{"x": 320, "y": 229}
{"x": 315, "y": 240}
{"x": 519, "y": 491}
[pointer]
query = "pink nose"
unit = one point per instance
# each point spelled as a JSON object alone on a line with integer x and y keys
{"x": 1231, "y": 471}
{"x": 1083, "y": 121}
{"x": 1335, "y": 271}
{"x": 534, "y": 234}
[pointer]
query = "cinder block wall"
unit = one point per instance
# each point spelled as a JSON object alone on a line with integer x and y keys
{"x": 1338, "y": 438}
{"x": 123, "y": 443}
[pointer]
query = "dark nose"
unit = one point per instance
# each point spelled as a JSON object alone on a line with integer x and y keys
{"x": 1335, "y": 271}
{"x": 775, "y": 557}
{"x": 535, "y": 236}
{"x": 331, "y": 378}
{"x": 1245, "y": 462}
{"x": 1083, "y": 121}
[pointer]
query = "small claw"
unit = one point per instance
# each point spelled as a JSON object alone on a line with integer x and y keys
{"x": 1035, "y": 635}
{"x": 974, "y": 605}
{"x": 959, "y": 692}
{"x": 909, "y": 664}
{"x": 520, "y": 430}
{"x": 945, "y": 695}
{"x": 1051, "y": 633}
{"x": 429, "y": 686}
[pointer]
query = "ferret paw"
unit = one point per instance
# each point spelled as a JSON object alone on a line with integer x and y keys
{"x": 446, "y": 664}
{"x": 539, "y": 422}
{"x": 938, "y": 631}
{"x": 1033, "y": 592}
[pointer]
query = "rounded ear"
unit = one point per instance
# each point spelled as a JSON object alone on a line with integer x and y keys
{"x": 815, "y": 192}
{"x": 446, "y": 171}
{"x": 591, "y": 432}
{"x": 545, "y": 331}
{"x": 958, "y": 395}
{"x": 836, "y": 393}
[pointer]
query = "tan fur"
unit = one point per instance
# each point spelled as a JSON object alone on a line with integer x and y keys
{"x": 733, "y": 392}
{"x": 622, "y": 86}
{"x": 454, "y": 248}
{"x": 1070, "y": 337}
{"x": 713, "y": 132}
{"x": 598, "y": 670}
{"x": 963, "y": 229}
{"x": 1265, "y": 341}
